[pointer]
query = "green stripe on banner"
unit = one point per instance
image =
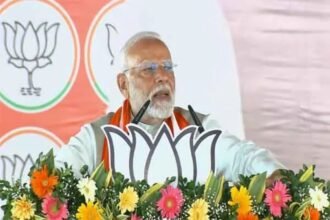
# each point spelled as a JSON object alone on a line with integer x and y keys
{"x": 98, "y": 88}
{"x": 38, "y": 107}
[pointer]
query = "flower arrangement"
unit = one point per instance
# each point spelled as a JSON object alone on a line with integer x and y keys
{"x": 55, "y": 194}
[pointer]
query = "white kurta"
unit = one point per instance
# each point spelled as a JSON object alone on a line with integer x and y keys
{"x": 232, "y": 156}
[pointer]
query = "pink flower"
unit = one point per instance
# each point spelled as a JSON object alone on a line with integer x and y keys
{"x": 135, "y": 217}
{"x": 54, "y": 209}
{"x": 170, "y": 203}
{"x": 276, "y": 198}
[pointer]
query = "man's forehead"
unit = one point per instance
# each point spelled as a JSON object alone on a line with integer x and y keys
{"x": 147, "y": 42}
{"x": 148, "y": 49}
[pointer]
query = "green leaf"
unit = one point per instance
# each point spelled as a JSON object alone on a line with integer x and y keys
{"x": 301, "y": 209}
{"x": 152, "y": 193}
{"x": 122, "y": 217}
{"x": 307, "y": 175}
{"x": 257, "y": 186}
{"x": 220, "y": 190}
{"x": 38, "y": 217}
{"x": 213, "y": 188}
{"x": 101, "y": 176}
{"x": 208, "y": 182}
{"x": 49, "y": 160}
{"x": 293, "y": 205}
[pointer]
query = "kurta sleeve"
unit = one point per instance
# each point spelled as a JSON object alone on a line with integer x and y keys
{"x": 234, "y": 156}
{"x": 79, "y": 151}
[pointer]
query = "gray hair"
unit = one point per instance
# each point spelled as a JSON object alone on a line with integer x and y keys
{"x": 131, "y": 41}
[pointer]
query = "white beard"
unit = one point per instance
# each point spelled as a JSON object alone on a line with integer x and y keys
{"x": 161, "y": 110}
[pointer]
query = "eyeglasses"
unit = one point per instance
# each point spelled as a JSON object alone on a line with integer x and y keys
{"x": 150, "y": 67}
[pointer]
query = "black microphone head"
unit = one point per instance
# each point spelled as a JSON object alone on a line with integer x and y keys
{"x": 196, "y": 119}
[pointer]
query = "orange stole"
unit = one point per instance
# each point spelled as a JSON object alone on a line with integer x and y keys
{"x": 122, "y": 117}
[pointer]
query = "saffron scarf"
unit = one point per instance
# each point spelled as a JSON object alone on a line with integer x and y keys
{"x": 122, "y": 117}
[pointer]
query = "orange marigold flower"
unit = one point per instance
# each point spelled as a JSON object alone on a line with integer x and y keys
{"x": 43, "y": 184}
{"x": 248, "y": 216}
{"x": 312, "y": 214}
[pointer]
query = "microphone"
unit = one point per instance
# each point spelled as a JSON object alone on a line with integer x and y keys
{"x": 196, "y": 119}
{"x": 141, "y": 112}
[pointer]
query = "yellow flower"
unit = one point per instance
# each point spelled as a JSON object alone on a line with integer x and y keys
{"x": 22, "y": 209}
{"x": 240, "y": 198}
{"x": 89, "y": 212}
{"x": 198, "y": 210}
{"x": 128, "y": 200}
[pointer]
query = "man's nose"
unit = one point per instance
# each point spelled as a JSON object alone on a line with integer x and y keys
{"x": 162, "y": 75}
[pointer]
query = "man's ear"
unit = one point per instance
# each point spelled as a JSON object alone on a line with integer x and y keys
{"x": 122, "y": 82}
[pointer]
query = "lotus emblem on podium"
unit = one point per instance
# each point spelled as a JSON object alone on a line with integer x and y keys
{"x": 139, "y": 156}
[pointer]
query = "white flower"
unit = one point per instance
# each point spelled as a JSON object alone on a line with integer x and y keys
{"x": 319, "y": 199}
{"x": 87, "y": 188}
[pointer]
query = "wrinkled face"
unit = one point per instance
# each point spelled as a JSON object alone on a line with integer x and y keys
{"x": 151, "y": 76}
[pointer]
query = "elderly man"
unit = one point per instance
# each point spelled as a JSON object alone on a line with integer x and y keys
{"x": 148, "y": 73}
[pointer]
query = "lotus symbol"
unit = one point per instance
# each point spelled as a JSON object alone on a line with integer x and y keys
{"x": 30, "y": 48}
{"x": 16, "y": 167}
{"x": 139, "y": 156}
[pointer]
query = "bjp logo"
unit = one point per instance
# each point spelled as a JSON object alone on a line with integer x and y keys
{"x": 139, "y": 156}
{"x": 39, "y": 55}
{"x": 30, "y": 48}
{"x": 15, "y": 166}
{"x": 19, "y": 148}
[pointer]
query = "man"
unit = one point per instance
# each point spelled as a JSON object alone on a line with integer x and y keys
{"x": 148, "y": 73}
